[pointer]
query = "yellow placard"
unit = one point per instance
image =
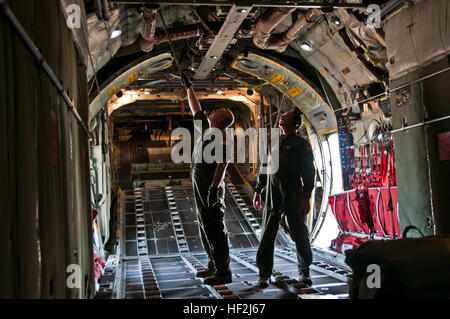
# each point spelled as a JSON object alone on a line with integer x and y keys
{"x": 112, "y": 91}
{"x": 132, "y": 78}
{"x": 346, "y": 71}
{"x": 277, "y": 78}
{"x": 295, "y": 91}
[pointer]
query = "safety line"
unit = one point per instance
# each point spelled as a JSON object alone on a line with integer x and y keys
{"x": 387, "y": 93}
{"x": 407, "y": 127}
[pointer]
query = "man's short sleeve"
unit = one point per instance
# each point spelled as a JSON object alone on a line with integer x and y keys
{"x": 201, "y": 118}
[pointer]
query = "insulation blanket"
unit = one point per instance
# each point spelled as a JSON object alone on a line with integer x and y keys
{"x": 417, "y": 35}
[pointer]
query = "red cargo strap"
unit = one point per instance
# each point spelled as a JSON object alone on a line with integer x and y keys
{"x": 351, "y": 213}
{"x": 384, "y": 167}
{"x": 385, "y": 218}
{"x": 332, "y": 201}
{"x": 353, "y": 179}
{"x": 378, "y": 214}
{"x": 392, "y": 173}
{"x": 348, "y": 240}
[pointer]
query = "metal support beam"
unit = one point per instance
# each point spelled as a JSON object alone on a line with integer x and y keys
{"x": 226, "y": 34}
{"x": 257, "y": 3}
{"x": 391, "y": 6}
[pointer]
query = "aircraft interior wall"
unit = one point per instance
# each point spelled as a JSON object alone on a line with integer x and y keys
{"x": 421, "y": 175}
{"x": 46, "y": 214}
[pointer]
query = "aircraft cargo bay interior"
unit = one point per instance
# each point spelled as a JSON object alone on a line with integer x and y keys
{"x": 216, "y": 149}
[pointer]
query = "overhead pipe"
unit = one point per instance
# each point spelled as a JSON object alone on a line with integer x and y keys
{"x": 298, "y": 28}
{"x": 256, "y": 3}
{"x": 176, "y": 33}
{"x": 99, "y": 9}
{"x": 105, "y": 10}
{"x": 270, "y": 19}
{"x": 264, "y": 39}
{"x": 148, "y": 29}
{"x": 179, "y": 33}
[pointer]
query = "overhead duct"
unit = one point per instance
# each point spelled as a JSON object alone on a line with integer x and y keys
{"x": 98, "y": 5}
{"x": 178, "y": 33}
{"x": 148, "y": 29}
{"x": 151, "y": 36}
{"x": 272, "y": 18}
{"x": 105, "y": 14}
{"x": 299, "y": 27}
{"x": 267, "y": 23}
{"x": 101, "y": 45}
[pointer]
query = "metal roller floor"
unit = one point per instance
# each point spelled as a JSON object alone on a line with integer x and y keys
{"x": 160, "y": 251}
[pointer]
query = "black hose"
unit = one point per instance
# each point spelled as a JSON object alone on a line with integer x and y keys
{"x": 105, "y": 10}
{"x": 172, "y": 49}
{"x": 99, "y": 9}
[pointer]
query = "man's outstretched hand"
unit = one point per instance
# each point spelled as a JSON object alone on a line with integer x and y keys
{"x": 186, "y": 81}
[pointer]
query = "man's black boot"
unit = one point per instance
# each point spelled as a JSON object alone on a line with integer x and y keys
{"x": 263, "y": 282}
{"x": 204, "y": 273}
{"x": 217, "y": 279}
{"x": 306, "y": 279}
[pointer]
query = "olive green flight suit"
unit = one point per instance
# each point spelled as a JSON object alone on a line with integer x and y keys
{"x": 285, "y": 191}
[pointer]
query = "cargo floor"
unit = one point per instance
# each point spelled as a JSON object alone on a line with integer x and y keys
{"x": 160, "y": 251}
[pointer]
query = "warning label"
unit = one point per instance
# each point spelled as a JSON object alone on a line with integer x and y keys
{"x": 277, "y": 78}
{"x": 132, "y": 78}
{"x": 295, "y": 91}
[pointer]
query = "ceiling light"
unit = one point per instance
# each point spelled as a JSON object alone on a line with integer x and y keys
{"x": 147, "y": 93}
{"x": 213, "y": 57}
{"x": 116, "y": 33}
{"x": 219, "y": 91}
{"x": 336, "y": 20}
{"x": 242, "y": 10}
{"x": 306, "y": 46}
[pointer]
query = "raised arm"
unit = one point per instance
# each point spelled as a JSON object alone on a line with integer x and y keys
{"x": 194, "y": 103}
